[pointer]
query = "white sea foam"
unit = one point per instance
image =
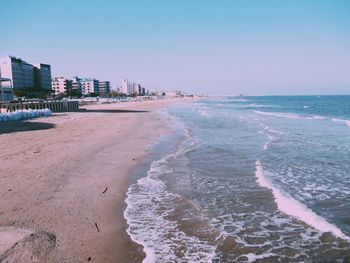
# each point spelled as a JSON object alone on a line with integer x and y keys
{"x": 266, "y": 145}
{"x": 346, "y": 122}
{"x": 254, "y": 105}
{"x": 204, "y": 113}
{"x": 275, "y": 131}
{"x": 202, "y": 110}
{"x": 253, "y": 257}
{"x": 294, "y": 208}
{"x": 148, "y": 205}
{"x": 271, "y": 134}
{"x": 295, "y": 116}
{"x": 315, "y": 117}
{"x": 279, "y": 114}
{"x": 239, "y": 100}
{"x": 270, "y": 140}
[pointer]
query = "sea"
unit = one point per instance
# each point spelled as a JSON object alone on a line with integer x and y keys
{"x": 246, "y": 179}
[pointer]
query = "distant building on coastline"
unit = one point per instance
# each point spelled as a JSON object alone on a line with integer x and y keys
{"x": 104, "y": 88}
{"x": 85, "y": 86}
{"x": 76, "y": 86}
{"x": 90, "y": 86}
{"x": 132, "y": 88}
{"x": 126, "y": 87}
{"x": 42, "y": 76}
{"x": 25, "y": 75}
{"x": 61, "y": 85}
{"x": 18, "y": 71}
{"x": 171, "y": 93}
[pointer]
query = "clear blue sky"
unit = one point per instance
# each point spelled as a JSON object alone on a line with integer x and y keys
{"x": 216, "y": 47}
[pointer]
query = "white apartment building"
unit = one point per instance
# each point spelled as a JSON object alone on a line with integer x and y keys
{"x": 89, "y": 86}
{"x": 61, "y": 85}
{"x": 76, "y": 85}
{"x": 129, "y": 88}
{"x": 126, "y": 87}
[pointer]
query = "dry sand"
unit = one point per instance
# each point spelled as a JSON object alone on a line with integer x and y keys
{"x": 54, "y": 173}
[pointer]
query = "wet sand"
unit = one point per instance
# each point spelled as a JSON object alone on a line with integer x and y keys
{"x": 66, "y": 176}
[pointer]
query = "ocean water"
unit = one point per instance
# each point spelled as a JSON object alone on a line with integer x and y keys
{"x": 247, "y": 179}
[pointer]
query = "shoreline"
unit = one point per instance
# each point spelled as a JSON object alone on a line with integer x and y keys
{"x": 161, "y": 149}
{"x": 73, "y": 179}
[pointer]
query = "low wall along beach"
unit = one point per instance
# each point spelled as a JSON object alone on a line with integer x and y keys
{"x": 54, "y": 106}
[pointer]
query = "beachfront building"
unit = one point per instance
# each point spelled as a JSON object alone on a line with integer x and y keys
{"x": 42, "y": 76}
{"x": 132, "y": 88}
{"x": 18, "y": 71}
{"x": 76, "y": 86}
{"x": 171, "y": 93}
{"x": 24, "y": 75}
{"x": 126, "y": 87}
{"x": 6, "y": 90}
{"x": 90, "y": 86}
{"x": 61, "y": 85}
{"x": 137, "y": 90}
{"x": 104, "y": 88}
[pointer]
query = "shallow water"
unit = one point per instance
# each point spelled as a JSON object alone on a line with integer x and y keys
{"x": 262, "y": 179}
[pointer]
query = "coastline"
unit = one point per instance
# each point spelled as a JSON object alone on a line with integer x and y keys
{"x": 67, "y": 175}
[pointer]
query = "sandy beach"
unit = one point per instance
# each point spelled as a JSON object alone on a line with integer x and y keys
{"x": 64, "y": 178}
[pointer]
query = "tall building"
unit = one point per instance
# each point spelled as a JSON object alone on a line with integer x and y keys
{"x": 25, "y": 75}
{"x": 136, "y": 88}
{"x": 126, "y": 85}
{"x": 42, "y": 76}
{"x": 104, "y": 88}
{"x": 18, "y": 71}
{"x": 131, "y": 88}
{"x": 139, "y": 90}
{"x": 89, "y": 86}
{"x": 76, "y": 86}
{"x": 61, "y": 85}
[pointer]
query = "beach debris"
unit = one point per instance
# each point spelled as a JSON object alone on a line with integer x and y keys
{"x": 133, "y": 159}
{"x": 105, "y": 190}
{"x": 98, "y": 230}
{"x": 89, "y": 258}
